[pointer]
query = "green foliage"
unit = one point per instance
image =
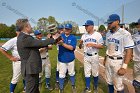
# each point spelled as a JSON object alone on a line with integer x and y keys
{"x": 132, "y": 25}
{"x": 7, "y": 31}
{"x": 102, "y": 28}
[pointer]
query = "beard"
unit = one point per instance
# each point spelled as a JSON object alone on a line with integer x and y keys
{"x": 113, "y": 28}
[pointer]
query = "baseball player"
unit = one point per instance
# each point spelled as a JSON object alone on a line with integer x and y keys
{"x": 46, "y": 65}
{"x": 60, "y": 30}
{"x": 91, "y": 41}
{"x": 119, "y": 51}
{"x": 136, "y": 58}
{"x": 12, "y": 45}
{"x": 66, "y": 57}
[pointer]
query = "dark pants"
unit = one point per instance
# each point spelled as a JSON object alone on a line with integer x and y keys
{"x": 32, "y": 83}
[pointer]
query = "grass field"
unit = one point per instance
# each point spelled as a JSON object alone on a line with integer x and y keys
{"x": 6, "y": 75}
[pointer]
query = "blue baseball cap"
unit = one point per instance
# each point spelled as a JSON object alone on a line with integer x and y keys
{"x": 138, "y": 22}
{"x": 60, "y": 27}
{"x": 68, "y": 26}
{"x": 37, "y": 32}
{"x": 89, "y": 22}
{"x": 112, "y": 18}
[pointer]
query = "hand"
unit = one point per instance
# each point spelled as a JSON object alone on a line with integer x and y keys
{"x": 49, "y": 36}
{"x": 49, "y": 47}
{"x": 56, "y": 36}
{"x": 14, "y": 59}
{"x": 80, "y": 46}
{"x": 121, "y": 71}
{"x": 60, "y": 42}
{"x": 90, "y": 45}
{"x": 42, "y": 49}
{"x": 59, "y": 39}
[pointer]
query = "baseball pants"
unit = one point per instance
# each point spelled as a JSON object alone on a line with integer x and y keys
{"x": 111, "y": 68}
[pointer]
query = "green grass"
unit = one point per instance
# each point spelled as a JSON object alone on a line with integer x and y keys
{"x": 2, "y": 41}
{"x": 6, "y": 75}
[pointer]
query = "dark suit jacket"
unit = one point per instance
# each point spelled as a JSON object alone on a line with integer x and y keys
{"x": 28, "y": 49}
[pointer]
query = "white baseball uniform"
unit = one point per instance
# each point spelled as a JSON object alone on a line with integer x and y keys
{"x": 136, "y": 56}
{"x": 46, "y": 65}
{"x": 12, "y": 45}
{"x": 91, "y": 57}
{"x": 116, "y": 44}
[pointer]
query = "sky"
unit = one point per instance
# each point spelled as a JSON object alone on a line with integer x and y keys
{"x": 63, "y": 10}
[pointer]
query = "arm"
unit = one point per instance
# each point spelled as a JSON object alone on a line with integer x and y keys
{"x": 68, "y": 46}
{"x": 42, "y": 49}
{"x": 127, "y": 59}
{"x": 9, "y": 56}
{"x": 128, "y": 55}
{"x": 95, "y": 45}
{"x": 31, "y": 42}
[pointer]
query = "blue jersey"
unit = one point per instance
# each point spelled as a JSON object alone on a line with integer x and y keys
{"x": 66, "y": 55}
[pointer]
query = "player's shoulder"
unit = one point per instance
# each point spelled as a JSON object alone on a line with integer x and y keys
{"x": 108, "y": 33}
{"x": 72, "y": 36}
{"x": 12, "y": 40}
{"x": 97, "y": 33}
{"x": 124, "y": 32}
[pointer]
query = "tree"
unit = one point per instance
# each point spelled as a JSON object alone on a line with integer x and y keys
{"x": 6, "y": 31}
{"x": 52, "y": 20}
{"x": 42, "y": 24}
{"x": 132, "y": 25}
{"x": 102, "y": 28}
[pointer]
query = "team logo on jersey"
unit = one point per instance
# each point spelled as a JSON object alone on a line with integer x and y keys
{"x": 69, "y": 41}
{"x": 113, "y": 40}
{"x": 90, "y": 40}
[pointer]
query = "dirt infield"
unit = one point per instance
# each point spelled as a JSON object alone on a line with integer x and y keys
{"x": 128, "y": 76}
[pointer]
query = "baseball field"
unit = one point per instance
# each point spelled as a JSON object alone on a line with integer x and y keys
{"x": 6, "y": 75}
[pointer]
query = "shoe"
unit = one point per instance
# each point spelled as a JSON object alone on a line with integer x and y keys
{"x": 61, "y": 90}
{"x": 86, "y": 90}
{"x": 73, "y": 89}
{"x": 48, "y": 86}
{"x": 57, "y": 85}
{"x": 95, "y": 90}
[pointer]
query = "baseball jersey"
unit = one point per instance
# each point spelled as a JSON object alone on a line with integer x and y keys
{"x": 65, "y": 55}
{"x": 136, "y": 50}
{"x": 95, "y": 38}
{"x": 11, "y": 45}
{"x": 117, "y": 42}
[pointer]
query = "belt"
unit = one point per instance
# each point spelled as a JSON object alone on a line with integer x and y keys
{"x": 115, "y": 58}
{"x": 91, "y": 54}
{"x": 43, "y": 58}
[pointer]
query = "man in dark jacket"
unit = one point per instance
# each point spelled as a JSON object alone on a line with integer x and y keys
{"x": 28, "y": 49}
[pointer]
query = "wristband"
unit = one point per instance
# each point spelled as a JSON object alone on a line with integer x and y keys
{"x": 124, "y": 66}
